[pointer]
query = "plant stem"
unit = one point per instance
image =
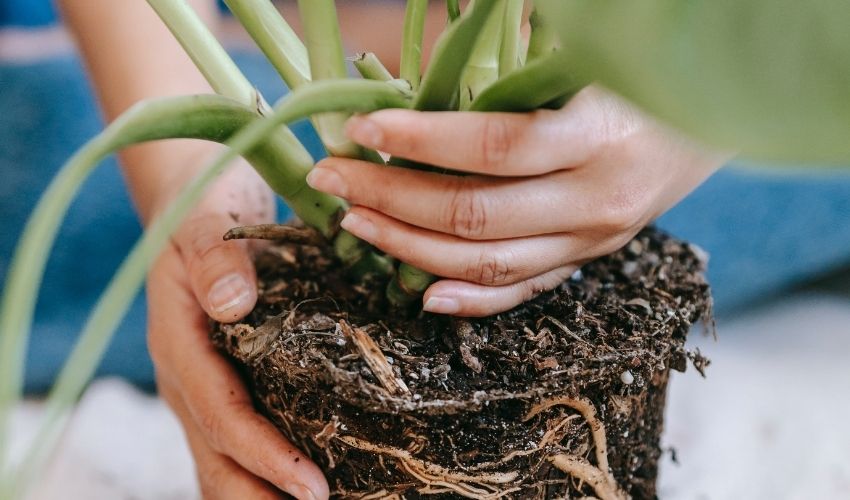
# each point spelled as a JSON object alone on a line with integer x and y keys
{"x": 351, "y": 96}
{"x": 275, "y": 38}
{"x": 411, "y": 47}
{"x": 208, "y": 55}
{"x": 482, "y": 69}
{"x": 542, "y": 81}
{"x": 453, "y": 10}
{"x": 440, "y": 84}
{"x": 543, "y": 40}
{"x": 371, "y": 68}
{"x": 509, "y": 58}
{"x": 327, "y": 60}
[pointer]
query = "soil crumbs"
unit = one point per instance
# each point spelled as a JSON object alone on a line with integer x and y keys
{"x": 562, "y": 397}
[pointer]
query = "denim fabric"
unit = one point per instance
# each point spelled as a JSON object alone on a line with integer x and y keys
{"x": 47, "y": 113}
{"x": 766, "y": 230}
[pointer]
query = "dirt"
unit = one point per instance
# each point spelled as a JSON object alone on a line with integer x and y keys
{"x": 561, "y": 397}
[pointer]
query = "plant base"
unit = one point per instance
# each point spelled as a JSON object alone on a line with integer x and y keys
{"x": 561, "y": 397}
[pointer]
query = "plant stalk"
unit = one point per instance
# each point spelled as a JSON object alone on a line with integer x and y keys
{"x": 411, "y": 47}
{"x": 452, "y": 10}
{"x": 371, "y": 68}
{"x": 440, "y": 84}
{"x": 482, "y": 69}
{"x": 275, "y": 38}
{"x": 509, "y": 54}
{"x": 207, "y": 54}
{"x": 544, "y": 39}
{"x": 327, "y": 61}
{"x": 544, "y": 82}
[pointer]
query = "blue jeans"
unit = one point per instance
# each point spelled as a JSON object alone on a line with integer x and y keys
{"x": 765, "y": 231}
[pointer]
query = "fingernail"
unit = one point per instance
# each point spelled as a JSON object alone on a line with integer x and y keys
{"x": 364, "y": 132}
{"x": 228, "y": 292}
{"x": 360, "y": 226}
{"x": 442, "y": 305}
{"x": 327, "y": 181}
{"x": 301, "y": 492}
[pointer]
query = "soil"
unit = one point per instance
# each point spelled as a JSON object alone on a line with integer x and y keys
{"x": 562, "y": 397}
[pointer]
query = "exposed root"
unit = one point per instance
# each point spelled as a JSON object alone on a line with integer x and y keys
{"x": 438, "y": 479}
{"x": 600, "y": 478}
{"x": 583, "y": 470}
{"x": 278, "y": 233}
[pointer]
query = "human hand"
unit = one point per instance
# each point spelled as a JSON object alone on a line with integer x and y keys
{"x": 549, "y": 191}
{"x": 238, "y": 453}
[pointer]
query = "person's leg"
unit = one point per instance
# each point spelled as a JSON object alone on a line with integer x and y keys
{"x": 766, "y": 229}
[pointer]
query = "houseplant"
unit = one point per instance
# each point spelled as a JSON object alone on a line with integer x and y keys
{"x": 230, "y": 117}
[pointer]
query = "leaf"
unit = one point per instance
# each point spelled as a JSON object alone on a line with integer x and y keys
{"x": 767, "y": 78}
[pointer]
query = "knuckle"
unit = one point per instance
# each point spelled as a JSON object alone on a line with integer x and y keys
{"x": 621, "y": 211}
{"x": 496, "y": 141}
{"x": 467, "y": 212}
{"x": 492, "y": 268}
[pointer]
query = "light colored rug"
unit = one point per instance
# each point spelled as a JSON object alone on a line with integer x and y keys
{"x": 771, "y": 421}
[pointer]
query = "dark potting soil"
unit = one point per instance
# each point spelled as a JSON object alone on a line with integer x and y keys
{"x": 561, "y": 397}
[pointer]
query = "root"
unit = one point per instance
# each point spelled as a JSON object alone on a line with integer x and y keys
{"x": 586, "y": 409}
{"x": 600, "y": 477}
{"x": 438, "y": 479}
{"x": 583, "y": 470}
{"x": 279, "y": 233}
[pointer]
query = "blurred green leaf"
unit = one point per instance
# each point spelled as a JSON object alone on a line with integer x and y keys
{"x": 767, "y": 78}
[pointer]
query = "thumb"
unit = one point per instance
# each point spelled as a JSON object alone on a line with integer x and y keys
{"x": 221, "y": 273}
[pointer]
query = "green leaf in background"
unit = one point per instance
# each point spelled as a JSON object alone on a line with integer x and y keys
{"x": 767, "y": 78}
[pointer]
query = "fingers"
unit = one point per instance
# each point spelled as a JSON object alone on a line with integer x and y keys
{"x": 221, "y": 272}
{"x": 472, "y": 207}
{"x": 213, "y": 394}
{"x": 500, "y": 262}
{"x": 501, "y": 144}
{"x": 220, "y": 478}
{"x": 460, "y": 298}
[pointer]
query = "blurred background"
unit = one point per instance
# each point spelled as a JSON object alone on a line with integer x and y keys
{"x": 769, "y": 421}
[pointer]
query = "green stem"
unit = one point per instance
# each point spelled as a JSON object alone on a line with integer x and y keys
{"x": 408, "y": 285}
{"x": 544, "y": 39}
{"x": 275, "y": 38}
{"x": 482, "y": 69}
{"x": 453, "y": 10}
{"x": 439, "y": 88}
{"x": 207, "y": 54}
{"x": 509, "y": 58}
{"x": 327, "y": 60}
{"x": 411, "y": 46}
{"x": 371, "y": 68}
{"x": 350, "y": 96}
{"x": 544, "y": 80}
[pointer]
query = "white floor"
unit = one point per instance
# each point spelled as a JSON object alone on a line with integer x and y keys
{"x": 771, "y": 421}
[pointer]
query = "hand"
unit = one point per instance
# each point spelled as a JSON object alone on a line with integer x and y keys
{"x": 549, "y": 191}
{"x": 238, "y": 453}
